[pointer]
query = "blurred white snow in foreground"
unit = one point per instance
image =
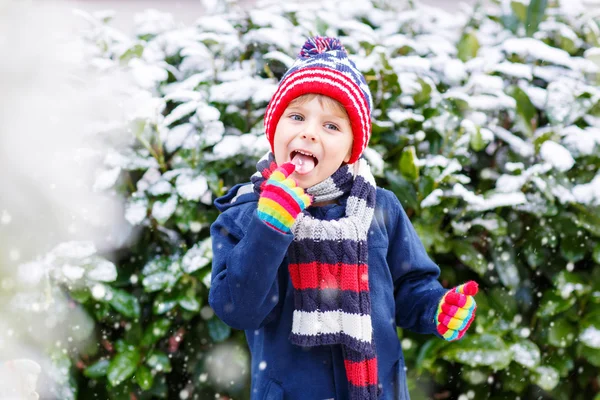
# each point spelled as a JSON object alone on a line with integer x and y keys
{"x": 50, "y": 108}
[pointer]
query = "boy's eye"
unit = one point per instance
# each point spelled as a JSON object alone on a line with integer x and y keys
{"x": 296, "y": 117}
{"x": 332, "y": 127}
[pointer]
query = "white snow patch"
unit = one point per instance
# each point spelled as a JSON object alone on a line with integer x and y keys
{"x": 590, "y": 337}
{"x": 556, "y": 155}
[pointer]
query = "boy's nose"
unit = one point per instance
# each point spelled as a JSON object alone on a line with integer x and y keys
{"x": 309, "y": 136}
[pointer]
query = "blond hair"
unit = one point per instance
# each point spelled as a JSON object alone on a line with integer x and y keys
{"x": 324, "y": 101}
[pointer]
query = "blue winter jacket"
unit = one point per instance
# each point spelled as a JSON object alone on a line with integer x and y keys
{"x": 251, "y": 290}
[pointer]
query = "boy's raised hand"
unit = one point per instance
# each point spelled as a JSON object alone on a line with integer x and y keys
{"x": 281, "y": 200}
{"x": 456, "y": 311}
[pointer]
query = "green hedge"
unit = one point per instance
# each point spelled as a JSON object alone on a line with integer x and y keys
{"x": 485, "y": 127}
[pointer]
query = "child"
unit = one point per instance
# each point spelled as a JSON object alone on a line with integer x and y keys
{"x": 315, "y": 262}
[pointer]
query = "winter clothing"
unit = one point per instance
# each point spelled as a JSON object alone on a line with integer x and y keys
{"x": 252, "y": 289}
{"x": 280, "y": 199}
{"x": 323, "y": 67}
{"x": 328, "y": 266}
{"x": 456, "y": 311}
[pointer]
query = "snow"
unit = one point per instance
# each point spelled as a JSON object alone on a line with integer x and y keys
{"x": 233, "y": 145}
{"x": 162, "y": 211}
{"x": 526, "y": 353}
{"x": 375, "y": 161}
{"x": 537, "y": 50}
{"x": 454, "y": 71}
{"x": 160, "y": 188}
{"x": 180, "y": 111}
{"x": 177, "y": 135}
{"x": 556, "y": 155}
{"x": 590, "y": 337}
{"x": 74, "y": 250}
{"x": 153, "y": 22}
{"x": 106, "y": 179}
{"x": 215, "y": 23}
{"x": 147, "y": 76}
{"x": 581, "y": 142}
{"x": 103, "y": 271}
{"x": 398, "y": 115}
{"x": 547, "y": 377}
{"x": 415, "y": 64}
{"x": 518, "y": 145}
{"x": 487, "y": 102}
{"x": 199, "y": 256}
{"x": 192, "y": 188}
{"x": 433, "y": 199}
{"x": 588, "y": 193}
{"x": 279, "y": 56}
{"x": 515, "y": 70}
{"x": 497, "y": 200}
{"x": 483, "y": 83}
{"x": 72, "y": 272}
{"x": 239, "y": 91}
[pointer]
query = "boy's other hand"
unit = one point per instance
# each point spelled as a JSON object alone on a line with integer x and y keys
{"x": 456, "y": 311}
{"x": 281, "y": 199}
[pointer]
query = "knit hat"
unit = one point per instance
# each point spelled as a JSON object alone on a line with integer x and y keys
{"x": 323, "y": 67}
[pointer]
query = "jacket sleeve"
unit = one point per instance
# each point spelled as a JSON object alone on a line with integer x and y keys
{"x": 244, "y": 288}
{"x": 417, "y": 291}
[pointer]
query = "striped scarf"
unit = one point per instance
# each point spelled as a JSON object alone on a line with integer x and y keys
{"x": 329, "y": 272}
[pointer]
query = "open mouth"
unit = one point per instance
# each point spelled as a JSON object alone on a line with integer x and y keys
{"x": 304, "y": 161}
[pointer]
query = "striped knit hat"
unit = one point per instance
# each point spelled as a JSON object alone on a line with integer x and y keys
{"x": 323, "y": 67}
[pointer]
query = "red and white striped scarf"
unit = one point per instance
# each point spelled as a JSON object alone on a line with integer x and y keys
{"x": 329, "y": 272}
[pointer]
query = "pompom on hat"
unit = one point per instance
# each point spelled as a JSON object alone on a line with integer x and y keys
{"x": 323, "y": 67}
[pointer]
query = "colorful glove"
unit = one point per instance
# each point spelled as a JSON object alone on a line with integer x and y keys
{"x": 281, "y": 200}
{"x": 456, "y": 311}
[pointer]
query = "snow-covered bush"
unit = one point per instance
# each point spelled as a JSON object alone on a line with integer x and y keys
{"x": 486, "y": 126}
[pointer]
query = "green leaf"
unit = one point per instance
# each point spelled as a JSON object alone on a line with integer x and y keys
{"x": 596, "y": 253}
{"x": 468, "y": 46}
{"x": 164, "y": 303}
{"x": 125, "y": 303}
{"x": 546, "y": 377}
{"x": 503, "y": 303}
{"x": 525, "y": 108}
{"x": 97, "y": 369}
{"x": 552, "y": 304}
{"x": 144, "y": 377}
{"x": 504, "y": 263}
{"x": 513, "y": 378}
{"x": 568, "y": 283}
{"x": 134, "y": 51}
{"x": 535, "y": 15}
{"x": 428, "y": 354}
{"x": 408, "y": 163}
{"x": 477, "y": 143}
{"x": 155, "y": 331}
{"x": 159, "y": 281}
{"x": 403, "y": 189}
{"x": 519, "y": 10}
{"x": 159, "y": 361}
{"x": 218, "y": 330}
{"x": 479, "y": 350}
{"x": 572, "y": 248}
{"x": 468, "y": 255}
{"x": 123, "y": 366}
{"x": 423, "y": 96}
{"x": 561, "y": 333}
{"x": 190, "y": 303}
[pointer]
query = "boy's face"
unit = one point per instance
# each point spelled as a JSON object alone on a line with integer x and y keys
{"x": 316, "y": 128}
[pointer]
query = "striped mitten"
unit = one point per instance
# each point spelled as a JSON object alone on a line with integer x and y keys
{"x": 281, "y": 200}
{"x": 456, "y": 311}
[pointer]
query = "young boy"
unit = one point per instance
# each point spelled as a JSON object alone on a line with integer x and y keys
{"x": 316, "y": 263}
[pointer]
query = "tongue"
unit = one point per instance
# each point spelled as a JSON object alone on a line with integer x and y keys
{"x": 304, "y": 164}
